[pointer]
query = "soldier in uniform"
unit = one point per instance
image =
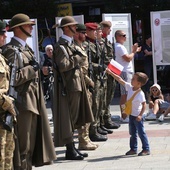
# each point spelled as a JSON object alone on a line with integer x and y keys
{"x": 34, "y": 140}
{"x": 103, "y": 79}
{"x": 6, "y": 107}
{"x": 111, "y": 84}
{"x": 94, "y": 69}
{"x": 72, "y": 109}
{"x": 83, "y": 133}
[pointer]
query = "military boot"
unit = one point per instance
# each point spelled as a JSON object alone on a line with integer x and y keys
{"x": 71, "y": 153}
{"x": 109, "y": 124}
{"x": 95, "y": 136}
{"x": 84, "y": 141}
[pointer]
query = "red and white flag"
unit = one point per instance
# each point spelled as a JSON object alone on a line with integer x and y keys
{"x": 115, "y": 67}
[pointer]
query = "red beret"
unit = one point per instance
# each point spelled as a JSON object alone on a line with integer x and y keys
{"x": 91, "y": 26}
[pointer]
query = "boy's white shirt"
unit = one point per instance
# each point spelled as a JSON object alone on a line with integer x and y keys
{"x": 137, "y": 101}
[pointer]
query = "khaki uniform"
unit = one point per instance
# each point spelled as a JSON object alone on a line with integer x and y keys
{"x": 35, "y": 148}
{"x": 6, "y": 137}
{"x": 73, "y": 109}
{"x": 83, "y": 133}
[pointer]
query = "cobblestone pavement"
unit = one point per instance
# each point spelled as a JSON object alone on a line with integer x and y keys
{"x": 111, "y": 154}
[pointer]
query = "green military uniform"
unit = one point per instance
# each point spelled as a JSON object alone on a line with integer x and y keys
{"x": 103, "y": 78}
{"x": 111, "y": 84}
{"x": 94, "y": 55}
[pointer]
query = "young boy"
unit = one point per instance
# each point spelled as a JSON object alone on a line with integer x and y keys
{"x": 138, "y": 107}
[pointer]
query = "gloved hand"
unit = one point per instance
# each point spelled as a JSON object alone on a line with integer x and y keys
{"x": 8, "y": 105}
{"x": 35, "y": 65}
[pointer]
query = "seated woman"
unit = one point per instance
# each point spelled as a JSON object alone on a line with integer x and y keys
{"x": 156, "y": 102}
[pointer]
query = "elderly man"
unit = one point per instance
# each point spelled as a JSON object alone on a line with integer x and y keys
{"x": 47, "y": 72}
{"x": 34, "y": 141}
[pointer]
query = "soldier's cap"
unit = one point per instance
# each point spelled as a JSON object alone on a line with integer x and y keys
{"x": 99, "y": 26}
{"x": 91, "y": 26}
{"x": 2, "y": 27}
{"x": 66, "y": 21}
{"x": 19, "y": 20}
{"x": 106, "y": 23}
{"x": 81, "y": 28}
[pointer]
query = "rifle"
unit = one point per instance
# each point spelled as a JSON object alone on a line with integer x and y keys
{"x": 60, "y": 79}
{"x": 9, "y": 119}
{"x": 90, "y": 69}
{"x": 113, "y": 45}
{"x": 12, "y": 92}
{"x": 101, "y": 63}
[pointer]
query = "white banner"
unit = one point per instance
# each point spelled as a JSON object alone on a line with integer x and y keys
{"x": 160, "y": 29}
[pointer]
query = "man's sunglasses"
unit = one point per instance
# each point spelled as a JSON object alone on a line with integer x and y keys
{"x": 124, "y": 35}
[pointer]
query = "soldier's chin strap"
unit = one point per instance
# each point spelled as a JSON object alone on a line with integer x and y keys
{"x": 25, "y": 32}
{"x": 71, "y": 30}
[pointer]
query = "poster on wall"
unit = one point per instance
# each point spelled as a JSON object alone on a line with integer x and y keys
{"x": 59, "y": 32}
{"x": 31, "y": 41}
{"x": 120, "y": 22}
{"x": 160, "y": 29}
{"x": 160, "y": 24}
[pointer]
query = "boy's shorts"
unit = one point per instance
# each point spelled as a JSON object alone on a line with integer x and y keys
{"x": 163, "y": 104}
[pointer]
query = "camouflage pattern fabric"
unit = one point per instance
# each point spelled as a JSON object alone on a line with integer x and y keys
{"x": 6, "y": 137}
{"x": 6, "y": 149}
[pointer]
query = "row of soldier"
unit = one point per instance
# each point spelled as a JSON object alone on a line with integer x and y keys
{"x": 82, "y": 93}
{"x": 82, "y": 89}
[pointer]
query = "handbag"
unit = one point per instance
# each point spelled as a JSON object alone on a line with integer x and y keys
{"x": 128, "y": 105}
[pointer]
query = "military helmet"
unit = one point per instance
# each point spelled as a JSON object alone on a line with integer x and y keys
{"x": 67, "y": 20}
{"x": 106, "y": 23}
{"x": 18, "y": 20}
{"x": 2, "y": 26}
{"x": 81, "y": 27}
